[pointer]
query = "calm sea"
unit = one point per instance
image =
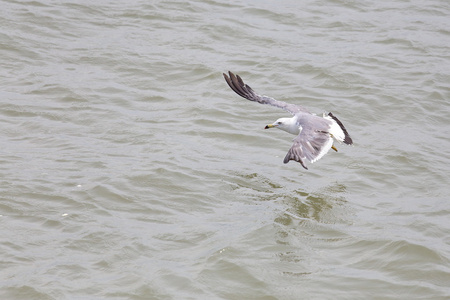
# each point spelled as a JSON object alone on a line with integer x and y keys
{"x": 129, "y": 169}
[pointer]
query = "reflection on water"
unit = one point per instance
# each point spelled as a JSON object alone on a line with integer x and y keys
{"x": 327, "y": 205}
{"x": 324, "y": 206}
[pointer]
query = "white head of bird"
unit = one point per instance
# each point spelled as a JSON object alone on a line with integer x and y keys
{"x": 286, "y": 124}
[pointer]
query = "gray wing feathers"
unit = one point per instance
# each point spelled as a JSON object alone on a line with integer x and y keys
{"x": 309, "y": 145}
{"x": 244, "y": 90}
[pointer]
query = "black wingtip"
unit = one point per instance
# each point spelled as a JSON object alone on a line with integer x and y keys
{"x": 236, "y": 83}
{"x": 347, "y": 139}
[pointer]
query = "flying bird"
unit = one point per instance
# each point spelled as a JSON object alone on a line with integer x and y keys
{"x": 315, "y": 134}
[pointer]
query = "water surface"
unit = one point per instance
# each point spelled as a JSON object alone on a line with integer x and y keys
{"x": 129, "y": 170}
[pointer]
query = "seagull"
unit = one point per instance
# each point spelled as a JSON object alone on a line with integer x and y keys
{"x": 315, "y": 134}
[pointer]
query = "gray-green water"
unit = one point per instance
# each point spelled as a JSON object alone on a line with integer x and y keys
{"x": 129, "y": 169}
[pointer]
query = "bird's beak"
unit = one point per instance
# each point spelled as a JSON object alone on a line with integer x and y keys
{"x": 269, "y": 126}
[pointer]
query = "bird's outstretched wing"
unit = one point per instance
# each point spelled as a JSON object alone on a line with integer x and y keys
{"x": 237, "y": 84}
{"x": 309, "y": 145}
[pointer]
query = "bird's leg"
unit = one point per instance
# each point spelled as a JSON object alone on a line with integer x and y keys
{"x": 334, "y": 148}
